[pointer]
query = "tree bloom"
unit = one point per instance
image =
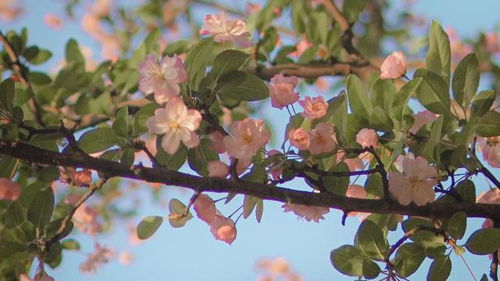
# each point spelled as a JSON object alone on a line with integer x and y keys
{"x": 9, "y": 190}
{"x": 101, "y": 256}
{"x": 301, "y": 47}
{"x": 79, "y": 178}
{"x": 492, "y": 42}
{"x": 217, "y": 169}
{"x": 309, "y": 213}
{"x": 323, "y": 139}
{"x": 126, "y": 258}
{"x": 282, "y": 90}
{"x": 177, "y": 123}
{"x": 299, "y": 138}
{"x": 85, "y": 219}
{"x": 162, "y": 77}
{"x": 224, "y": 29}
{"x": 314, "y": 108}
{"x": 421, "y": 118}
{"x": 217, "y": 142}
{"x": 394, "y": 66}
{"x": 223, "y": 229}
{"x": 53, "y": 21}
{"x": 489, "y": 197}
{"x": 354, "y": 164}
{"x": 205, "y": 208}
{"x": 367, "y": 137}
{"x": 247, "y": 137}
{"x": 415, "y": 184}
{"x": 490, "y": 148}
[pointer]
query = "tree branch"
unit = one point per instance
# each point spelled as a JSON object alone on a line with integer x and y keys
{"x": 263, "y": 191}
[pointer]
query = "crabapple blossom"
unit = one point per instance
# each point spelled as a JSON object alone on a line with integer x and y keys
{"x": 85, "y": 219}
{"x": 420, "y": 119}
{"x": 205, "y": 208}
{"x": 415, "y": 184}
{"x": 9, "y": 190}
{"x": 246, "y": 138}
{"x": 282, "y": 90}
{"x": 394, "y": 66}
{"x": 78, "y": 178}
{"x": 492, "y": 42}
{"x": 224, "y": 29}
{"x": 53, "y": 21}
{"x": 491, "y": 196}
{"x": 301, "y": 47}
{"x": 162, "y": 77}
{"x": 310, "y": 213}
{"x": 299, "y": 138}
{"x": 314, "y": 108}
{"x": 367, "y": 138}
{"x": 176, "y": 123}
{"x": 323, "y": 139}
{"x": 101, "y": 255}
{"x": 490, "y": 149}
{"x": 223, "y": 229}
{"x": 353, "y": 163}
{"x": 217, "y": 169}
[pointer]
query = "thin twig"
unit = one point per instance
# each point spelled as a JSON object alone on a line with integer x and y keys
{"x": 382, "y": 172}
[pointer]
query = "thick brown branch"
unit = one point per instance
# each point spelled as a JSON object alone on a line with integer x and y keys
{"x": 264, "y": 191}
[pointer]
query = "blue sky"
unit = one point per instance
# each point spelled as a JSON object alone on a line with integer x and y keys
{"x": 191, "y": 253}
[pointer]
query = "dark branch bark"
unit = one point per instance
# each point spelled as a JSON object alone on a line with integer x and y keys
{"x": 264, "y": 191}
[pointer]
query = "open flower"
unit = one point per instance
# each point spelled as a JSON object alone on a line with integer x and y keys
{"x": 314, "y": 108}
{"x": 415, "y": 184}
{"x": 205, "y": 208}
{"x": 309, "y": 213}
{"x": 162, "y": 77}
{"x": 9, "y": 190}
{"x": 367, "y": 137}
{"x": 394, "y": 66}
{"x": 79, "y": 178}
{"x": 282, "y": 90}
{"x": 224, "y": 29}
{"x": 323, "y": 139}
{"x": 177, "y": 123}
{"x": 223, "y": 229}
{"x": 247, "y": 137}
{"x": 299, "y": 138}
{"x": 490, "y": 148}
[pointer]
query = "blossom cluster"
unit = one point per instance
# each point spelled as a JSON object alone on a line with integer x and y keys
{"x": 222, "y": 228}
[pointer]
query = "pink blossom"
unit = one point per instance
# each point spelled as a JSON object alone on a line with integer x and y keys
{"x": 53, "y": 21}
{"x": 133, "y": 239}
{"x": 10, "y": 9}
{"x": 177, "y": 123}
{"x": 217, "y": 169}
{"x": 224, "y": 29}
{"x": 86, "y": 219}
{"x": 299, "y": 138}
{"x": 252, "y": 8}
{"x": 242, "y": 165}
{"x": 415, "y": 184}
{"x": 246, "y": 138}
{"x": 353, "y": 163}
{"x": 301, "y": 47}
{"x": 205, "y": 208}
{"x": 9, "y": 190}
{"x": 79, "y": 178}
{"x": 490, "y": 149}
{"x": 394, "y": 66}
{"x": 162, "y": 77}
{"x": 491, "y": 196}
{"x": 217, "y": 140}
{"x": 223, "y": 229}
{"x": 282, "y": 90}
{"x": 101, "y": 255}
{"x": 310, "y": 213}
{"x": 421, "y": 118}
{"x": 314, "y": 108}
{"x": 458, "y": 48}
{"x": 399, "y": 161}
{"x": 323, "y": 139}
{"x": 126, "y": 258}
{"x": 367, "y": 138}
{"x": 492, "y": 42}
{"x": 322, "y": 84}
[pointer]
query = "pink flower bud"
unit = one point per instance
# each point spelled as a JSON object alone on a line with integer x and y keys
{"x": 9, "y": 190}
{"x": 217, "y": 169}
{"x": 223, "y": 229}
{"x": 314, "y": 108}
{"x": 205, "y": 208}
{"x": 282, "y": 90}
{"x": 299, "y": 138}
{"x": 394, "y": 66}
{"x": 367, "y": 137}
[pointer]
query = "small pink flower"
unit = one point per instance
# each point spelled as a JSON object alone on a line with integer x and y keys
{"x": 394, "y": 66}
{"x": 224, "y": 29}
{"x": 223, "y": 229}
{"x": 177, "y": 123}
{"x": 415, "y": 184}
{"x": 353, "y": 163}
{"x": 489, "y": 197}
{"x": 299, "y": 138}
{"x": 421, "y": 118}
{"x": 9, "y": 190}
{"x": 217, "y": 169}
{"x": 309, "y": 213}
{"x": 126, "y": 258}
{"x": 492, "y": 42}
{"x": 101, "y": 255}
{"x": 205, "y": 208}
{"x": 86, "y": 220}
{"x": 301, "y": 47}
{"x": 162, "y": 77}
{"x": 490, "y": 148}
{"x": 217, "y": 140}
{"x": 367, "y": 138}
{"x": 314, "y": 108}
{"x": 282, "y": 90}
{"x": 246, "y": 138}
{"x": 323, "y": 139}
{"x": 53, "y": 21}
{"x": 79, "y": 178}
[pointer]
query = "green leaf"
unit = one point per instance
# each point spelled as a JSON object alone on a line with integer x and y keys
{"x": 383, "y": 94}
{"x": 380, "y": 120}
{"x": 348, "y": 260}
{"x": 41, "y": 57}
{"x": 7, "y": 92}
{"x": 179, "y": 215}
{"x": 259, "y": 210}
{"x": 371, "y": 241}
{"x": 400, "y": 104}
{"x": 484, "y": 241}
{"x": 120, "y": 126}
{"x": 199, "y": 157}
{"x": 370, "y": 269}
{"x": 337, "y": 113}
{"x": 8, "y": 166}
{"x": 489, "y": 124}
{"x": 440, "y": 269}
{"x": 72, "y": 53}
{"x": 241, "y": 86}
{"x": 466, "y": 80}
{"x": 41, "y": 208}
{"x": 409, "y": 257}
{"x": 228, "y": 61}
{"x": 148, "y": 226}
{"x": 358, "y": 98}
{"x": 352, "y": 9}
{"x": 373, "y": 185}
{"x": 456, "y": 225}
{"x": 249, "y": 203}
{"x": 199, "y": 57}
{"x": 15, "y": 215}
{"x": 337, "y": 185}
{"x": 97, "y": 140}
{"x": 467, "y": 190}
{"x": 433, "y": 92}
{"x": 141, "y": 116}
{"x": 438, "y": 58}
{"x": 174, "y": 161}
{"x": 484, "y": 278}
{"x": 482, "y": 102}
{"x": 70, "y": 244}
